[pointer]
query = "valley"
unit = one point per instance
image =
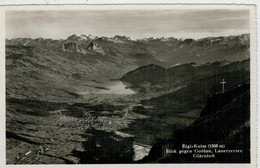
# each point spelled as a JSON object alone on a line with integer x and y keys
{"x": 112, "y": 100}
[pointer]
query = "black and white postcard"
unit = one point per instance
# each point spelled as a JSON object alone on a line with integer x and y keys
{"x": 129, "y": 84}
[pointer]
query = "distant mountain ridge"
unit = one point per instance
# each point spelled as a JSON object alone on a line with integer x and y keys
{"x": 58, "y": 63}
{"x": 156, "y": 74}
{"x": 171, "y": 50}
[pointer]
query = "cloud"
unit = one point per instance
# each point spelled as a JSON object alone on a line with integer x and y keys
{"x": 133, "y": 23}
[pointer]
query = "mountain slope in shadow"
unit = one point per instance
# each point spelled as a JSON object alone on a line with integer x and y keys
{"x": 224, "y": 120}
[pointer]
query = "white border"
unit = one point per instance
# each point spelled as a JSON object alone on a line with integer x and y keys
{"x": 93, "y": 7}
{"x": 77, "y": 2}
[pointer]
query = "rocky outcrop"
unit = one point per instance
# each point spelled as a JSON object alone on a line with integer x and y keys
{"x": 69, "y": 46}
{"x": 91, "y": 46}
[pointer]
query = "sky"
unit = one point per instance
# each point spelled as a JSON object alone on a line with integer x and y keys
{"x": 136, "y": 24}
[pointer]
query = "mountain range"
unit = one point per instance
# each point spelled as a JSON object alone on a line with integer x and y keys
{"x": 58, "y": 64}
{"x": 53, "y": 104}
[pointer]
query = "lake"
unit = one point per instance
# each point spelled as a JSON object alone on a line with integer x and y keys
{"x": 113, "y": 87}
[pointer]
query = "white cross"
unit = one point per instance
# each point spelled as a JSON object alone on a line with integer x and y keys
{"x": 223, "y": 85}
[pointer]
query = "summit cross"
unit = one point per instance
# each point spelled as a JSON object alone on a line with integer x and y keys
{"x": 223, "y": 85}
